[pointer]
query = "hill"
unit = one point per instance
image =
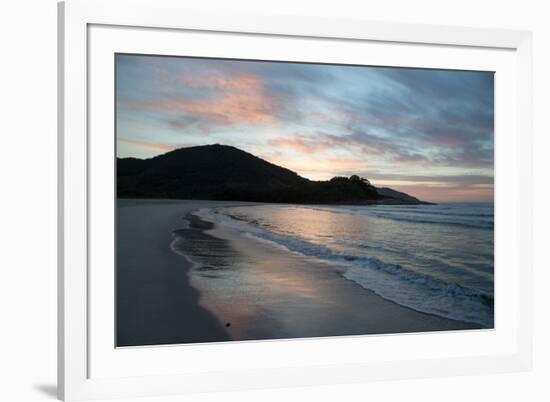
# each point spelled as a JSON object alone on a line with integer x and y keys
{"x": 221, "y": 172}
{"x": 400, "y": 197}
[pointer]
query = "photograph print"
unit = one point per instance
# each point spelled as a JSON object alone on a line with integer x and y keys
{"x": 262, "y": 200}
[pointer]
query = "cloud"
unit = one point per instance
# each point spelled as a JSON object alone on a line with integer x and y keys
{"x": 229, "y": 109}
{"x": 339, "y": 117}
{"x": 206, "y": 102}
{"x": 444, "y": 117}
{"x": 301, "y": 143}
{"x": 239, "y": 82}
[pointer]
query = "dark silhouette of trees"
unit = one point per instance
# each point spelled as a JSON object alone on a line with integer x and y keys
{"x": 220, "y": 172}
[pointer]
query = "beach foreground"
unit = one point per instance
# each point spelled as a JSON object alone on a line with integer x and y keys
{"x": 184, "y": 279}
{"x": 155, "y": 302}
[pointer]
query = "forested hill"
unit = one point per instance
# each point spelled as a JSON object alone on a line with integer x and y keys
{"x": 221, "y": 172}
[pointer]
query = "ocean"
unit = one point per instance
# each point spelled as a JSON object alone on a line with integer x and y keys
{"x": 436, "y": 259}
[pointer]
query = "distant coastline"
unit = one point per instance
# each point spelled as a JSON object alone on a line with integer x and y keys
{"x": 384, "y": 201}
{"x": 224, "y": 173}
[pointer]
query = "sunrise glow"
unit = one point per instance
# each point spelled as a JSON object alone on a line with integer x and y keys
{"x": 425, "y": 132}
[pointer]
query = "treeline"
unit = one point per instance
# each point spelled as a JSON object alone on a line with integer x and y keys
{"x": 337, "y": 190}
{"x": 219, "y": 172}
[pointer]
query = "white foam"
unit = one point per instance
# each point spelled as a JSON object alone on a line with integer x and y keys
{"x": 415, "y": 290}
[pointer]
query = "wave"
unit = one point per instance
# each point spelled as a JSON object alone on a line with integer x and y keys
{"x": 475, "y": 224}
{"x": 424, "y": 216}
{"x": 416, "y": 290}
{"x": 423, "y": 293}
{"x": 440, "y": 212}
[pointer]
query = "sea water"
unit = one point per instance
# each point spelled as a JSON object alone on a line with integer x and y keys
{"x": 436, "y": 259}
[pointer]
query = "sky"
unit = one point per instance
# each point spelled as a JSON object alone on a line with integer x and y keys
{"x": 426, "y": 132}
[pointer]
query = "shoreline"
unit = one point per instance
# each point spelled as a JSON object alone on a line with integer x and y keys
{"x": 385, "y": 201}
{"x": 155, "y": 303}
{"x": 164, "y": 297}
{"x": 289, "y": 295}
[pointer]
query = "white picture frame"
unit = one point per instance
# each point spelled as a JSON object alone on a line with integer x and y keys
{"x": 77, "y": 331}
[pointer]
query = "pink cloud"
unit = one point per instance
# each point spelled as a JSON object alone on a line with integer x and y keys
{"x": 232, "y": 108}
{"x": 240, "y": 82}
{"x": 302, "y": 144}
{"x": 231, "y": 101}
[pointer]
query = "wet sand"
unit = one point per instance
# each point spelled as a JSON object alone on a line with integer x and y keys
{"x": 155, "y": 303}
{"x": 267, "y": 292}
{"x": 237, "y": 288}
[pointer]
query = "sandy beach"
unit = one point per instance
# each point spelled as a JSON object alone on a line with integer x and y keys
{"x": 155, "y": 302}
{"x": 238, "y": 288}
